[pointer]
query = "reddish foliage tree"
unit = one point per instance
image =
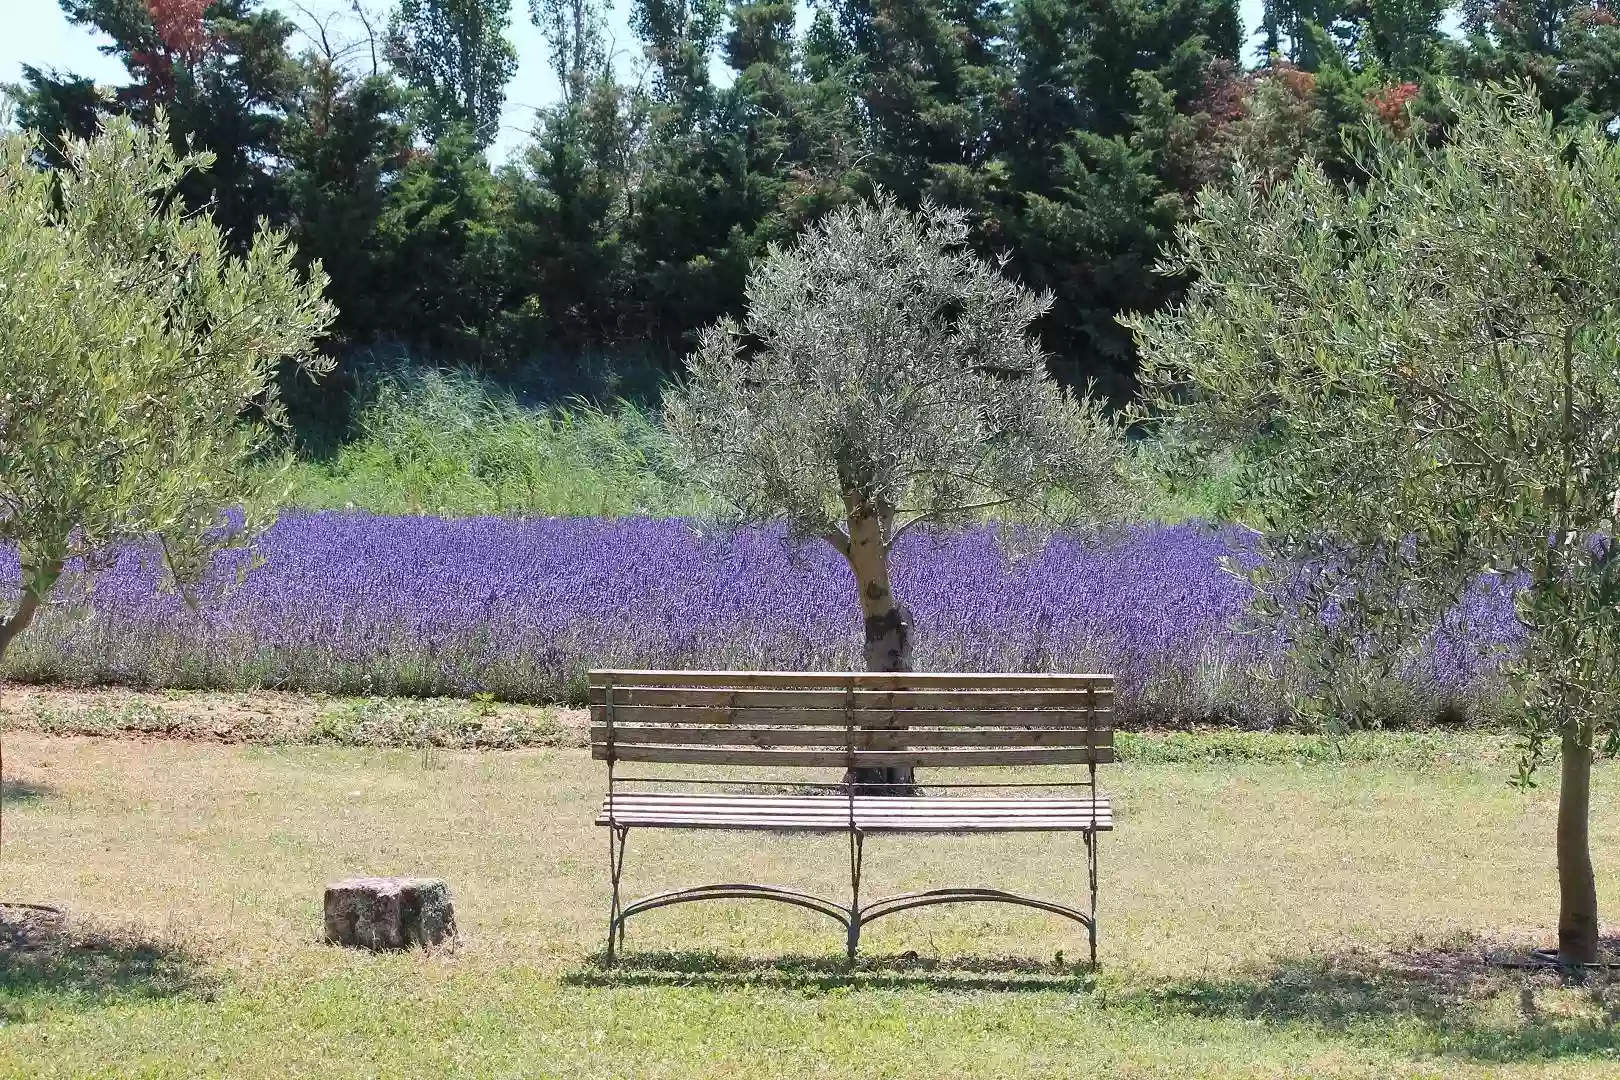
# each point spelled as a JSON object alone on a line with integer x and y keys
{"x": 1301, "y": 84}
{"x": 1589, "y": 17}
{"x": 180, "y": 26}
{"x": 1225, "y": 95}
{"x": 1202, "y": 154}
{"x": 183, "y": 38}
{"x": 1390, "y": 104}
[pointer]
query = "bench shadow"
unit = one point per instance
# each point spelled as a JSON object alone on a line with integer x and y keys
{"x": 827, "y": 973}
{"x": 1459, "y": 1002}
{"x": 47, "y": 955}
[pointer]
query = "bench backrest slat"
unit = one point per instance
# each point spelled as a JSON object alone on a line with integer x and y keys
{"x": 836, "y": 719}
{"x": 772, "y": 758}
{"x": 840, "y": 679}
{"x": 1081, "y": 698}
{"x": 835, "y": 739}
{"x": 862, "y": 718}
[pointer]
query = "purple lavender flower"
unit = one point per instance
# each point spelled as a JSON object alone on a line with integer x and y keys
{"x": 358, "y": 603}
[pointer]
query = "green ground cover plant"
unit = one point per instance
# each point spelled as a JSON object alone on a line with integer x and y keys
{"x": 272, "y": 719}
{"x": 279, "y": 719}
{"x": 448, "y": 442}
{"x": 445, "y": 442}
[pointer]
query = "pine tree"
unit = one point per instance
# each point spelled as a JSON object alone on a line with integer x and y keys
{"x": 347, "y": 137}
{"x": 455, "y": 53}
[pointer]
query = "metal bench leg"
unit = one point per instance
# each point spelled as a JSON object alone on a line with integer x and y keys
{"x": 856, "y": 850}
{"x": 1091, "y": 873}
{"x": 616, "y": 842}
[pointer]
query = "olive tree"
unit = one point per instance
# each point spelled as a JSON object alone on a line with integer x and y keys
{"x": 884, "y": 377}
{"x": 1421, "y": 379}
{"x": 138, "y": 360}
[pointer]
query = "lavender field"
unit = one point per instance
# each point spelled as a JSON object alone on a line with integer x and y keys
{"x": 356, "y": 603}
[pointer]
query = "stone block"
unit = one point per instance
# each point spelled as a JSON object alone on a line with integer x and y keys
{"x": 389, "y": 913}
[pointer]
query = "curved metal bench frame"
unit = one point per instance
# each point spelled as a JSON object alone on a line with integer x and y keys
{"x": 852, "y": 917}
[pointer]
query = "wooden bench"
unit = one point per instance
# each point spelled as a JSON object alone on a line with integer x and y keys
{"x": 772, "y": 721}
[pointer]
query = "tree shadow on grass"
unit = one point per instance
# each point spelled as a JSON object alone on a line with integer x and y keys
{"x": 1453, "y": 1002}
{"x": 47, "y": 956}
{"x": 827, "y": 973}
{"x": 13, "y": 790}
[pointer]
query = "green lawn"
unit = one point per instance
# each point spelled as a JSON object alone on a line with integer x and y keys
{"x": 1268, "y": 909}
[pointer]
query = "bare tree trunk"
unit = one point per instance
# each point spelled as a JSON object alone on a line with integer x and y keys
{"x": 1577, "y": 888}
{"x": 888, "y": 633}
{"x": 9, "y": 629}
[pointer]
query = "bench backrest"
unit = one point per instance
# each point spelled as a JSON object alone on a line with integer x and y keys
{"x": 844, "y": 719}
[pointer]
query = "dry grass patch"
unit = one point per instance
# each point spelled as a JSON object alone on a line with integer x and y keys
{"x": 1262, "y": 915}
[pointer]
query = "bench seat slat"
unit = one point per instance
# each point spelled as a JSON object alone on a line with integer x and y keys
{"x": 836, "y": 738}
{"x": 862, "y": 804}
{"x": 870, "y": 812}
{"x": 753, "y": 825}
{"x": 841, "y": 817}
{"x": 631, "y": 815}
{"x": 911, "y": 804}
{"x": 837, "y": 814}
{"x": 769, "y": 758}
{"x": 719, "y": 715}
{"x": 842, "y": 812}
{"x": 1079, "y": 698}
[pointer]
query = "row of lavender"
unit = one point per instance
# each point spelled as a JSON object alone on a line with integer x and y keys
{"x": 354, "y": 603}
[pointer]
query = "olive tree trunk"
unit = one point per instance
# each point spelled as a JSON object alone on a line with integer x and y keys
{"x": 19, "y": 620}
{"x": 1577, "y": 888}
{"x": 10, "y": 627}
{"x": 887, "y": 632}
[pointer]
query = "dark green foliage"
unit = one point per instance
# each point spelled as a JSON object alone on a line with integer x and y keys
{"x": 761, "y": 33}
{"x": 1075, "y": 133}
{"x": 346, "y": 141}
{"x": 1570, "y": 52}
{"x": 929, "y": 76}
{"x": 1399, "y": 37}
{"x": 1086, "y": 182}
{"x": 568, "y": 199}
{"x": 59, "y": 107}
{"x": 437, "y": 274}
{"x": 575, "y": 40}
